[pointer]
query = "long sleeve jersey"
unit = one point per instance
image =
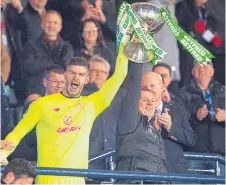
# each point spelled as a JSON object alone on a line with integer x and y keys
{"x": 63, "y": 126}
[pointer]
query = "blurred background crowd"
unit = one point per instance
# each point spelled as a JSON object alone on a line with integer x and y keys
{"x": 38, "y": 37}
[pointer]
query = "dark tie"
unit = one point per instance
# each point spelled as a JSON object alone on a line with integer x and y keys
{"x": 155, "y": 122}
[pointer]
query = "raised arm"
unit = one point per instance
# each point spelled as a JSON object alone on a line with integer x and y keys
{"x": 27, "y": 123}
{"x": 103, "y": 98}
{"x": 129, "y": 113}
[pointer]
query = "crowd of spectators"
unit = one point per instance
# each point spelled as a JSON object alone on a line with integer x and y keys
{"x": 39, "y": 37}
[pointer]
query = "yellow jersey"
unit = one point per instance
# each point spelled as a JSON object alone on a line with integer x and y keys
{"x": 63, "y": 126}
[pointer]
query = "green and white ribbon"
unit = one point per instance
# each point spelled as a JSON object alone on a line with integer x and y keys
{"x": 200, "y": 53}
{"x": 124, "y": 30}
{"x": 127, "y": 23}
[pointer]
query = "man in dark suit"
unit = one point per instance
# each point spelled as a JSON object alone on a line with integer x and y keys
{"x": 174, "y": 149}
{"x": 175, "y": 135}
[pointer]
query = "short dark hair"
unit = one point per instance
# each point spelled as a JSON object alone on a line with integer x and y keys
{"x": 163, "y": 65}
{"x": 79, "y": 61}
{"x": 54, "y": 68}
{"x": 20, "y": 167}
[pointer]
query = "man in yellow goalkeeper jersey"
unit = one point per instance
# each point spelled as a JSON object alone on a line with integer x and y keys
{"x": 64, "y": 120}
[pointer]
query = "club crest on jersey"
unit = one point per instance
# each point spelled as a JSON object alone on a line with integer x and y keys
{"x": 68, "y": 120}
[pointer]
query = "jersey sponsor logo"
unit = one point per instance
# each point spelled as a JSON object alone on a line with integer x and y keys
{"x": 68, "y": 129}
{"x": 68, "y": 120}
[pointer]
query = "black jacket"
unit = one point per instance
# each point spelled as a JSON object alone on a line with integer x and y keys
{"x": 136, "y": 137}
{"x": 28, "y": 22}
{"x": 181, "y": 135}
{"x": 210, "y": 134}
{"x": 38, "y": 56}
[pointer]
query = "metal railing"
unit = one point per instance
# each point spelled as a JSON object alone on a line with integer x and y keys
{"x": 105, "y": 153}
{"x": 188, "y": 155}
{"x": 218, "y": 159}
{"x": 107, "y": 174}
{"x": 205, "y": 156}
{"x": 141, "y": 176}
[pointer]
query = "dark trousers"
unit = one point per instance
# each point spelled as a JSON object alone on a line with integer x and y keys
{"x": 136, "y": 164}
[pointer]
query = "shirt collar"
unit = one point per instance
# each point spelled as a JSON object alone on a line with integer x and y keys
{"x": 160, "y": 106}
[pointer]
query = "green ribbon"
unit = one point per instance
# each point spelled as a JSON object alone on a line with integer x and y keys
{"x": 125, "y": 18}
{"x": 200, "y": 53}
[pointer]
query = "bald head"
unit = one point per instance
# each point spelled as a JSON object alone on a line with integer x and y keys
{"x": 153, "y": 82}
{"x": 151, "y": 76}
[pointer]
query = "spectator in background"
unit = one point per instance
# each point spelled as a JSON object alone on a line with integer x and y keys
{"x": 92, "y": 42}
{"x": 205, "y": 99}
{"x": 42, "y": 53}
{"x": 182, "y": 135}
{"x": 205, "y": 20}
{"x": 18, "y": 171}
{"x": 169, "y": 96}
{"x": 100, "y": 70}
{"x": 99, "y": 73}
{"x": 28, "y": 19}
{"x": 53, "y": 81}
{"x": 10, "y": 36}
{"x": 73, "y": 12}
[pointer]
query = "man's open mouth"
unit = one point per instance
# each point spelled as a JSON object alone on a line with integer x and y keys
{"x": 74, "y": 86}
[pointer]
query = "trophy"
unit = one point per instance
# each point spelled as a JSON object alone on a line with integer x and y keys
{"x": 138, "y": 22}
{"x": 152, "y": 23}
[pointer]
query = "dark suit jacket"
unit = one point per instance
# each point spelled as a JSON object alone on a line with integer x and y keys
{"x": 181, "y": 135}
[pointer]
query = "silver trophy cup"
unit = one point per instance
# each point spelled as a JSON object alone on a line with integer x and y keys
{"x": 135, "y": 50}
